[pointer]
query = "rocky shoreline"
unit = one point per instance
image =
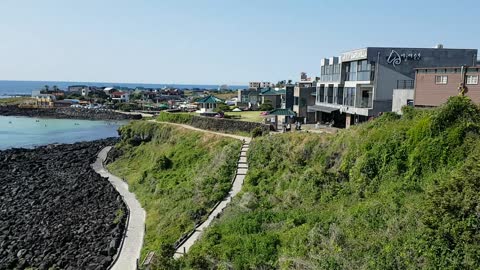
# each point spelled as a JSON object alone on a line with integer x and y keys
{"x": 66, "y": 113}
{"x": 55, "y": 211}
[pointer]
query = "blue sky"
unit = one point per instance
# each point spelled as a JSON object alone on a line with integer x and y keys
{"x": 213, "y": 41}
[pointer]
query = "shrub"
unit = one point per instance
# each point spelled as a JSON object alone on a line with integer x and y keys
{"x": 180, "y": 118}
{"x": 256, "y": 132}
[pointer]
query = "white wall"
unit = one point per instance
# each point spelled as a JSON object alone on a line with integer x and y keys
{"x": 400, "y": 97}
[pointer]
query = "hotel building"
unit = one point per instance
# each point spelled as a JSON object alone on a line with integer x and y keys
{"x": 360, "y": 83}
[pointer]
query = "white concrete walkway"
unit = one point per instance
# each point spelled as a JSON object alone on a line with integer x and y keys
{"x": 133, "y": 241}
{"x": 237, "y": 184}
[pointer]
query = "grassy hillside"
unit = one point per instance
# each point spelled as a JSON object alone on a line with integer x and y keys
{"x": 395, "y": 193}
{"x": 177, "y": 175}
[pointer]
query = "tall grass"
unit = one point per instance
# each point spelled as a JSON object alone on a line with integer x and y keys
{"x": 177, "y": 175}
{"x": 394, "y": 193}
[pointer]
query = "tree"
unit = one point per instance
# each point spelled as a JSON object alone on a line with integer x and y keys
{"x": 266, "y": 106}
{"x": 222, "y": 107}
{"x": 55, "y": 88}
{"x": 46, "y": 88}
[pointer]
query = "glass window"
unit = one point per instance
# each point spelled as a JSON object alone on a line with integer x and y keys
{"x": 472, "y": 79}
{"x": 330, "y": 95}
{"x": 295, "y": 101}
{"x": 350, "y": 96}
{"x": 322, "y": 94}
{"x": 441, "y": 79}
{"x": 340, "y": 95}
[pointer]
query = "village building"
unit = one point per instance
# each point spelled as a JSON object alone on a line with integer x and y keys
{"x": 208, "y": 104}
{"x": 433, "y": 86}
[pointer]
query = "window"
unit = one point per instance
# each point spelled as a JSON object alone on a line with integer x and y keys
{"x": 472, "y": 79}
{"x": 321, "y": 97}
{"x": 340, "y": 95}
{"x": 295, "y": 101}
{"x": 442, "y": 79}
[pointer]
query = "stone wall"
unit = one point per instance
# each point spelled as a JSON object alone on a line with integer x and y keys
{"x": 226, "y": 125}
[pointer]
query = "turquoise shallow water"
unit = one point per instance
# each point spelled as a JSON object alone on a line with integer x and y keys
{"x": 29, "y": 132}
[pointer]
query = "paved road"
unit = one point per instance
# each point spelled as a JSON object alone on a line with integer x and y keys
{"x": 133, "y": 240}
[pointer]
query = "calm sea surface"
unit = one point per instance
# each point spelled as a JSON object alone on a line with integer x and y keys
{"x": 28, "y": 132}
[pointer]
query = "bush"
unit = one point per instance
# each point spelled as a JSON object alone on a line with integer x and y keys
{"x": 266, "y": 107}
{"x": 256, "y": 132}
{"x": 179, "y": 118}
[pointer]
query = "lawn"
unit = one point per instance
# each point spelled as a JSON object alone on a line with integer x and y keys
{"x": 250, "y": 116}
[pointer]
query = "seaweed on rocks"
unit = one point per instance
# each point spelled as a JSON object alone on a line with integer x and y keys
{"x": 55, "y": 211}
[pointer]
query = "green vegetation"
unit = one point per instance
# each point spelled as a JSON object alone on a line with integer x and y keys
{"x": 394, "y": 193}
{"x": 248, "y": 116}
{"x": 266, "y": 106}
{"x": 177, "y": 175}
{"x": 118, "y": 216}
{"x": 179, "y": 118}
{"x": 14, "y": 100}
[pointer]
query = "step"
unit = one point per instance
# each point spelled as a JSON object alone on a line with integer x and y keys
{"x": 242, "y": 160}
{"x": 242, "y": 166}
{"x": 242, "y": 171}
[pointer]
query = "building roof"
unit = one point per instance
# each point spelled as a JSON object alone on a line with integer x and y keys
{"x": 210, "y": 99}
{"x": 287, "y": 112}
{"x": 320, "y": 108}
{"x": 273, "y": 92}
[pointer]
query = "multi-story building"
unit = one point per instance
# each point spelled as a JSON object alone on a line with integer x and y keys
{"x": 360, "y": 83}
{"x": 433, "y": 86}
{"x": 303, "y": 98}
{"x": 259, "y": 85}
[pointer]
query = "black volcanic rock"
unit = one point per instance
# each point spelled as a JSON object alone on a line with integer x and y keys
{"x": 55, "y": 211}
{"x": 66, "y": 113}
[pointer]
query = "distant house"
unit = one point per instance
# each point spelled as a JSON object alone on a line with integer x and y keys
{"x": 278, "y": 117}
{"x": 45, "y": 101}
{"x": 76, "y": 88}
{"x": 274, "y": 97}
{"x": 249, "y": 98}
{"x": 120, "y": 96}
{"x": 109, "y": 90}
{"x": 208, "y": 104}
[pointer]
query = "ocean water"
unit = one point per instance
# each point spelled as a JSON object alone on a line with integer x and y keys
{"x": 26, "y": 132}
{"x": 11, "y": 88}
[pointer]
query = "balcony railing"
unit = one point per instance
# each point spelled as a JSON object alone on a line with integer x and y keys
{"x": 405, "y": 84}
{"x": 367, "y": 75}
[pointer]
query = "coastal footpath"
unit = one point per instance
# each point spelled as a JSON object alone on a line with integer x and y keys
{"x": 56, "y": 211}
{"x": 129, "y": 252}
{"x": 66, "y": 113}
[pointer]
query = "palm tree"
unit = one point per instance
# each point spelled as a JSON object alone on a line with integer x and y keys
{"x": 55, "y": 88}
{"x": 46, "y": 88}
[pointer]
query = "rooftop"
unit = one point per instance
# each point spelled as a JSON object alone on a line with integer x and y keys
{"x": 210, "y": 99}
{"x": 286, "y": 112}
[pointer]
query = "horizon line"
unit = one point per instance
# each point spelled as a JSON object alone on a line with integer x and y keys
{"x": 109, "y": 82}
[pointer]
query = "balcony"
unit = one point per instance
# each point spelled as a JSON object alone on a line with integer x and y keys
{"x": 368, "y": 75}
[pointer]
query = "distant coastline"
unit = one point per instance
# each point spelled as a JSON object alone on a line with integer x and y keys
{"x": 66, "y": 113}
{"x": 15, "y": 88}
